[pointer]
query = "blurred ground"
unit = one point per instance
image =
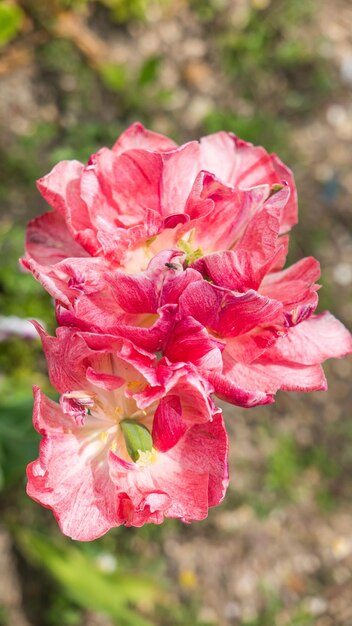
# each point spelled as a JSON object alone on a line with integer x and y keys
{"x": 72, "y": 76}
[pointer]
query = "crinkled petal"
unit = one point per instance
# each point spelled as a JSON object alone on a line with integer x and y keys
{"x": 313, "y": 341}
{"x": 64, "y": 478}
{"x": 140, "y": 138}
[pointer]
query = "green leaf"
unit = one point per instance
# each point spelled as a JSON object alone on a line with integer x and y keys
{"x": 114, "y": 76}
{"x": 11, "y": 19}
{"x": 137, "y": 438}
{"x": 149, "y": 70}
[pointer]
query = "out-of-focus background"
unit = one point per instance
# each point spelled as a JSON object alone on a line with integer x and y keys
{"x": 73, "y": 75}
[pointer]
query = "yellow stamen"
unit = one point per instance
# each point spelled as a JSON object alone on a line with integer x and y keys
{"x": 117, "y": 412}
{"x": 149, "y": 457}
{"x": 104, "y": 436}
{"x": 134, "y": 385}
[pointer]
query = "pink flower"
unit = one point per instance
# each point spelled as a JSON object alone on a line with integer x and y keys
{"x": 147, "y": 195}
{"x": 261, "y": 313}
{"x": 200, "y": 229}
{"x": 104, "y": 460}
{"x": 147, "y": 308}
{"x": 166, "y": 265}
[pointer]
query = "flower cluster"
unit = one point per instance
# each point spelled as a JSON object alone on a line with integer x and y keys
{"x": 166, "y": 266}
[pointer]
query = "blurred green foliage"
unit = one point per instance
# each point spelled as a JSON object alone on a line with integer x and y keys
{"x": 87, "y": 585}
{"x": 11, "y": 21}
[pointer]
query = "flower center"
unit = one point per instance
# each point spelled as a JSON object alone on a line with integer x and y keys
{"x": 192, "y": 254}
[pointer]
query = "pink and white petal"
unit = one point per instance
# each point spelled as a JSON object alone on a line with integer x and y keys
{"x": 255, "y": 167}
{"x": 180, "y": 168}
{"x": 77, "y": 489}
{"x": 131, "y": 182}
{"x": 54, "y": 281}
{"x": 187, "y": 382}
{"x": 132, "y": 363}
{"x": 66, "y": 355}
{"x": 228, "y": 269}
{"x": 194, "y": 393}
{"x": 165, "y": 486}
{"x": 93, "y": 312}
{"x": 102, "y": 212}
{"x": 283, "y": 283}
{"x": 152, "y": 336}
{"x": 59, "y": 187}
{"x": 313, "y": 341}
{"x": 245, "y": 266}
{"x": 269, "y": 377}
{"x": 189, "y": 341}
{"x": 281, "y": 253}
{"x": 109, "y": 382}
{"x": 67, "y": 279}
{"x": 140, "y": 138}
{"x": 133, "y": 293}
{"x": 218, "y": 155}
{"x": 219, "y": 214}
{"x": 237, "y": 391}
{"x": 85, "y": 275}
{"x": 202, "y": 301}
{"x": 241, "y": 313}
{"x": 48, "y": 418}
{"x": 243, "y": 165}
{"x": 175, "y": 283}
{"x": 295, "y": 288}
{"x": 148, "y": 513}
{"x": 250, "y": 346}
{"x": 289, "y": 215}
{"x": 48, "y": 240}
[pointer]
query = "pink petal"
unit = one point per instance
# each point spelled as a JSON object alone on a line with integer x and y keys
{"x": 269, "y": 377}
{"x": 180, "y": 169}
{"x": 134, "y": 293}
{"x": 190, "y": 342}
{"x": 227, "y": 313}
{"x": 242, "y": 313}
{"x": 130, "y": 181}
{"x": 313, "y": 341}
{"x": 138, "y": 137}
{"x": 201, "y": 301}
{"x": 61, "y": 189}
{"x": 239, "y": 391}
{"x": 295, "y": 288}
{"x": 105, "y": 381}
{"x": 186, "y": 382}
{"x": 168, "y": 426}
{"x": 48, "y": 240}
{"x": 80, "y": 492}
{"x": 243, "y": 165}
